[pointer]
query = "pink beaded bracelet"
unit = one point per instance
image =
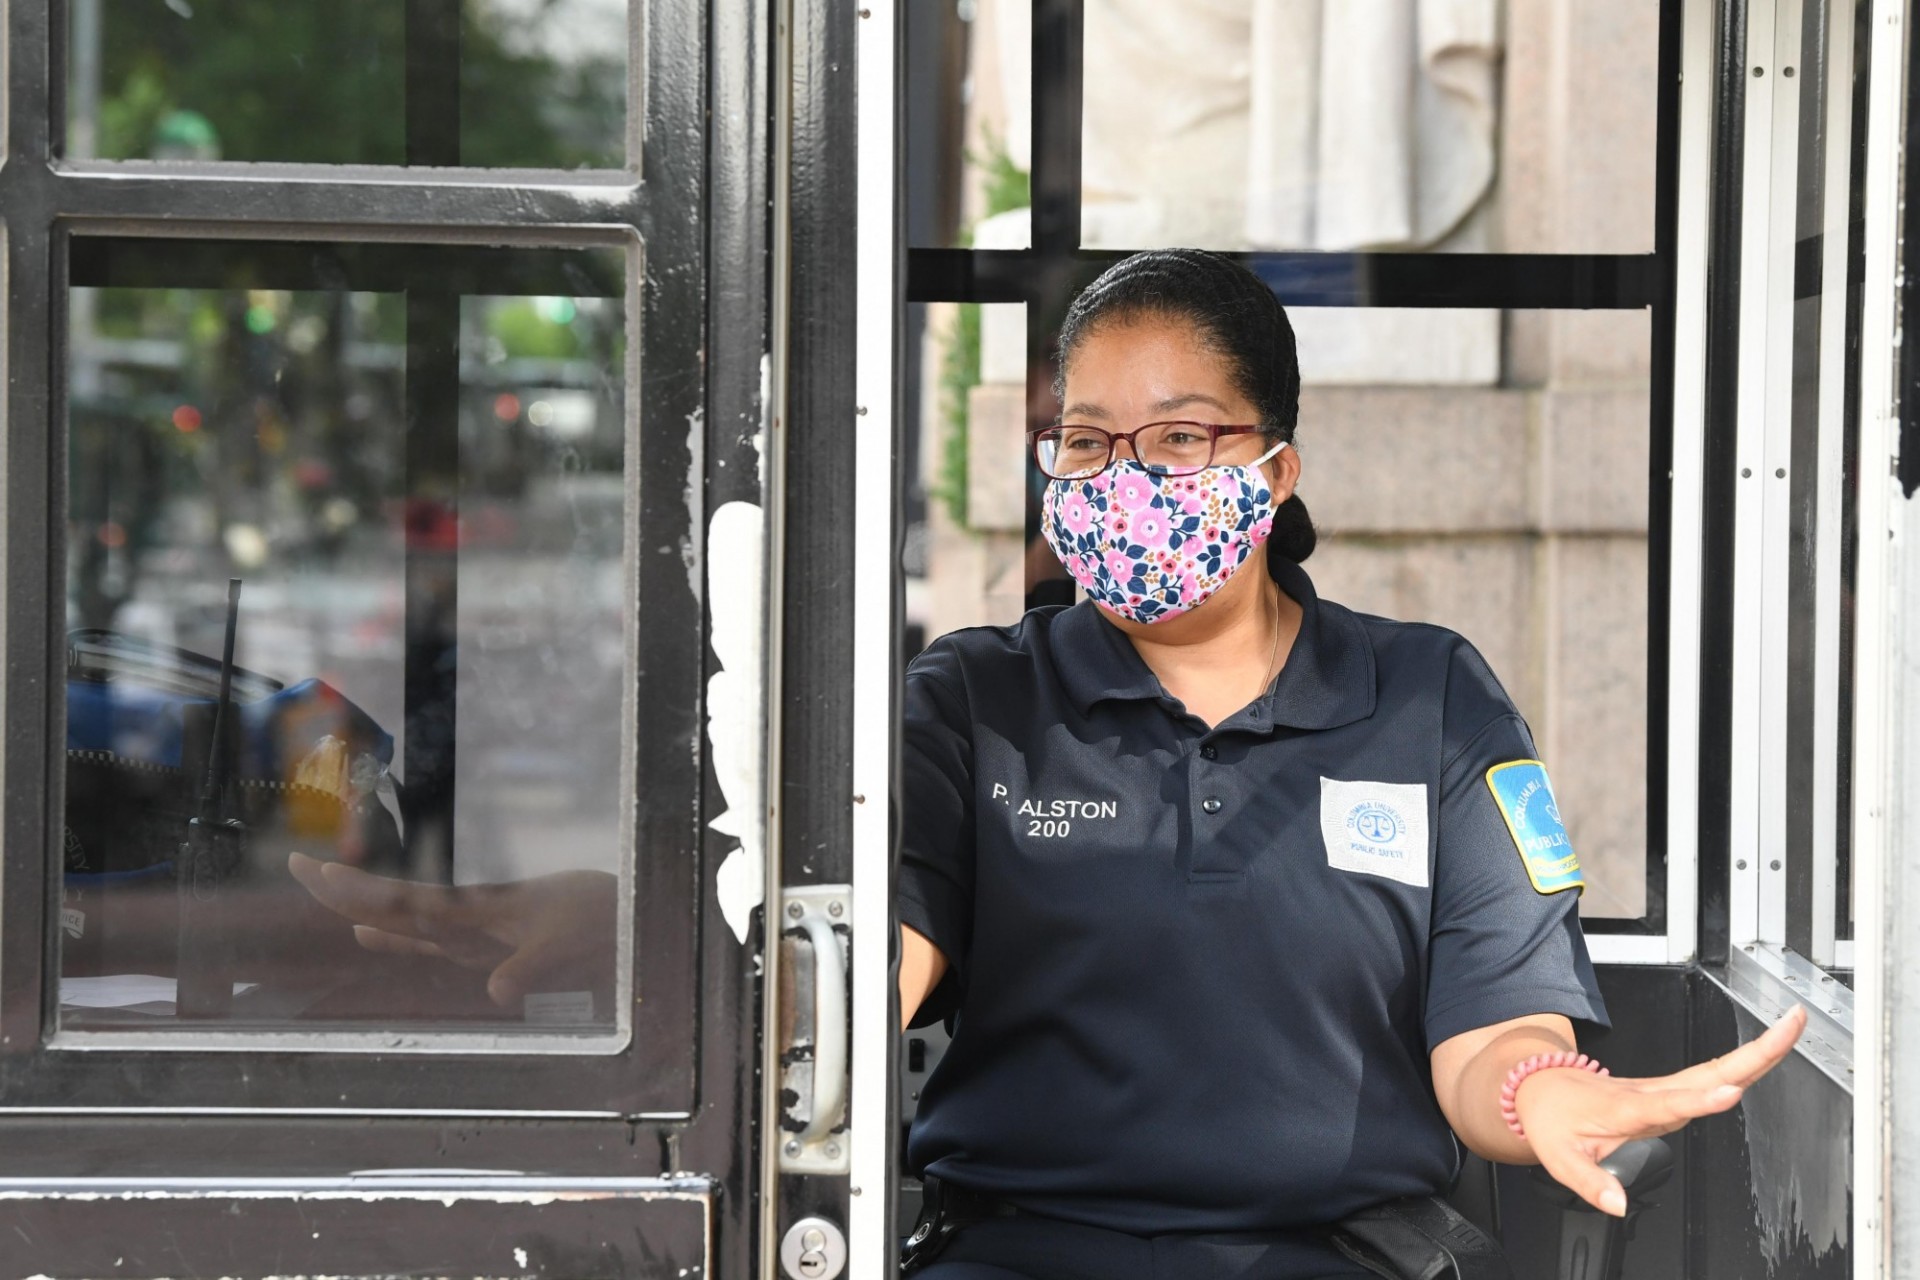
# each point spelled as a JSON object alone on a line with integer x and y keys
{"x": 1539, "y": 1062}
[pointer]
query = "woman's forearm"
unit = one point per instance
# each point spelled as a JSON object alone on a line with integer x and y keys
{"x": 1469, "y": 1070}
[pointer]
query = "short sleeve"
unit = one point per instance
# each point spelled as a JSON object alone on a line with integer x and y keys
{"x": 935, "y": 887}
{"x": 1506, "y": 939}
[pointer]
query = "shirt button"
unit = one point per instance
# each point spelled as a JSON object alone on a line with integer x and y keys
{"x": 1208, "y": 751}
{"x": 1210, "y": 805}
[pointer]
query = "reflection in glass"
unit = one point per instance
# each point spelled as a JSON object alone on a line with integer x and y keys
{"x": 495, "y": 83}
{"x": 421, "y": 489}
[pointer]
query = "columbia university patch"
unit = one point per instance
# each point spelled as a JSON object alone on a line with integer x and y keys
{"x": 1525, "y": 797}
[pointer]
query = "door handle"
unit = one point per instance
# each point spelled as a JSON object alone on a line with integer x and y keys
{"x": 829, "y": 1029}
{"x": 815, "y": 911}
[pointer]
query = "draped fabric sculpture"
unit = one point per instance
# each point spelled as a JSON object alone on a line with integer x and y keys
{"x": 1280, "y": 124}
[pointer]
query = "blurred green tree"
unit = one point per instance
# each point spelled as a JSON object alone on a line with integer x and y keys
{"x": 325, "y": 83}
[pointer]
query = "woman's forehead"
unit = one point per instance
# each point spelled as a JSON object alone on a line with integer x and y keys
{"x": 1146, "y": 365}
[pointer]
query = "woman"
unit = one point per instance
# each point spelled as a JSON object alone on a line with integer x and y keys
{"x": 1247, "y": 905}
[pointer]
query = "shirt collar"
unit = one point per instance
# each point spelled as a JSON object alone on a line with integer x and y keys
{"x": 1328, "y": 679}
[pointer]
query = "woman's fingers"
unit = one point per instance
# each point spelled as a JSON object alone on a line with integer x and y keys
{"x": 1660, "y": 1111}
{"x": 393, "y": 943}
{"x": 1579, "y": 1172}
{"x": 465, "y": 948}
{"x": 518, "y": 974}
{"x": 394, "y": 906}
{"x": 1751, "y": 1060}
{"x": 1635, "y": 1112}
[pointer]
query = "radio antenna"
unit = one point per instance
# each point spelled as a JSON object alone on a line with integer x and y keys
{"x": 216, "y": 775}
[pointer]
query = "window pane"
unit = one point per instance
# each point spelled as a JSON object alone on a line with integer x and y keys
{"x": 968, "y": 120}
{"x": 1379, "y": 126}
{"x": 1511, "y": 506}
{"x": 972, "y": 486}
{"x": 1486, "y": 471}
{"x": 415, "y": 461}
{"x": 528, "y": 83}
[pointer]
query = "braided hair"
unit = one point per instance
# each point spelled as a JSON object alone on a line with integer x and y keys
{"x": 1234, "y": 316}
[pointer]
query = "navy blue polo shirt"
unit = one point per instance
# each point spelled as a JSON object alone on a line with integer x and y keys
{"x": 1196, "y": 973}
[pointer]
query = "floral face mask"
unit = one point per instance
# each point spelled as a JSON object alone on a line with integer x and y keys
{"x": 1151, "y": 547}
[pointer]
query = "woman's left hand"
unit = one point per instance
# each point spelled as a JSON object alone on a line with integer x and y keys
{"x": 551, "y": 933}
{"x": 1575, "y": 1119}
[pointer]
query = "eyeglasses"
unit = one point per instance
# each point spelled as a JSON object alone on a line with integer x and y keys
{"x": 1164, "y": 448}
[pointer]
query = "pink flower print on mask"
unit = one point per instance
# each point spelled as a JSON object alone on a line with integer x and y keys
{"x": 1133, "y": 491}
{"x": 1150, "y": 529}
{"x": 1076, "y": 514}
{"x": 1131, "y": 540}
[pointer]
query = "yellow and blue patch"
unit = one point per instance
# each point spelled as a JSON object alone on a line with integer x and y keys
{"x": 1525, "y": 797}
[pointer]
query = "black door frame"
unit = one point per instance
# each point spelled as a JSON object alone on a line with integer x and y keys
{"x": 698, "y": 204}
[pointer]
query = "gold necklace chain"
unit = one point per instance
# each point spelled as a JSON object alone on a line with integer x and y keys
{"x": 1267, "y": 677}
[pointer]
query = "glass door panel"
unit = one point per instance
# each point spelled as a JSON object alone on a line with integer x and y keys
{"x": 488, "y": 83}
{"x": 417, "y": 491}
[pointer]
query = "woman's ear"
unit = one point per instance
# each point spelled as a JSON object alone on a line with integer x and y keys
{"x": 1283, "y": 473}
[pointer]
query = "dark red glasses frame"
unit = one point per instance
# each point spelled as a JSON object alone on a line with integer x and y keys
{"x": 1213, "y": 430}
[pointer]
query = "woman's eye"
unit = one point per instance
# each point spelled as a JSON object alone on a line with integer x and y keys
{"x": 1083, "y": 443}
{"x": 1181, "y": 439}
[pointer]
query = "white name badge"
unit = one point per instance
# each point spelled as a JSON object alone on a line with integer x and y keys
{"x": 1376, "y": 828}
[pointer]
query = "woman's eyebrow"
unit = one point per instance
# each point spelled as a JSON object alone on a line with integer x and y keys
{"x": 1082, "y": 409}
{"x": 1181, "y": 402}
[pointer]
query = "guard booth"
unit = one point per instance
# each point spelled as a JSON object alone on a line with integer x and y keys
{"x": 597, "y": 403}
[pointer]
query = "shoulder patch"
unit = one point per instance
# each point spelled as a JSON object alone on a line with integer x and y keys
{"x": 1525, "y": 797}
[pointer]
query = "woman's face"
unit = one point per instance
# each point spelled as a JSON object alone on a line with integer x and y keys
{"x": 1130, "y": 372}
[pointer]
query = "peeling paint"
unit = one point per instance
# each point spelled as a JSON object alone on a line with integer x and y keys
{"x": 1799, "y": 1129}
{"x": 735, "y": 704}
{"x": 766, "y": 416}
{"x": 690, "y": 492}
{"x": 681, "y": 1187}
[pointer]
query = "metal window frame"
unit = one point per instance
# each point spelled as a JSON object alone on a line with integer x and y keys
{"x": 1837, "y": 247}
{"x": 1687, "y": 517}
{"x": 1769, "y": 178}
{"x": 1671, "y": 282}
{"x": 662, "y": 205}
{"x": 1858, "y": 1053}
{"x": 876, "y": 622}
{"x": 1767, "y": 905}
